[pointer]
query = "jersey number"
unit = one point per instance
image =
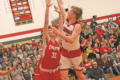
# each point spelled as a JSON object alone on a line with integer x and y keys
{"x": 54, "y": 55}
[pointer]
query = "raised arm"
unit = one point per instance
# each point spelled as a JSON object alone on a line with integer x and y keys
{"x": 5, "y": 73}
{"x": 45, "y": 29}
{"x": 62, "y": 9}
{"x": 72, "y": 38}
{"x": 60, "y": 24}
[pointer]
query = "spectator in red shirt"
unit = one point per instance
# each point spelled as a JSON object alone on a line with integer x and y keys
{"x": 117, "y": 21}
{"x": 83, "y": 45}
{"x": 87, "y": 66}
{"x": 103, "y": 52}
{"x": 13, "y": 47}
{"x": 96, "y": 49}
{"x": 100, "y": 31}
{"x": 34, "y": 45}
{"x": 118, "y": 49}
{"x": 108, "y": 48}
{"x": 89, "y": 38}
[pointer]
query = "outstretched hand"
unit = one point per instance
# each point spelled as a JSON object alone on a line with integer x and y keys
{"x": 55, "y": 31}
{"x": 57, "y": 9}
{"x": 48, "y": 3}
{"x": 13, "y": 67}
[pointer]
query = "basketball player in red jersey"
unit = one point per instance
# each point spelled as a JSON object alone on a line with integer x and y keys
{"x": 51, "y": 51}
{"x": 71, "y": 53}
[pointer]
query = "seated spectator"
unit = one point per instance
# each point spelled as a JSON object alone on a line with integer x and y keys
{"x": 89, "y": 37}
{"x": 16, "y": 74}
{"x": 6, "y": 77}
{"x": 1, "y": 57}
{"x": 107, "y": 28}
{"x": 23, "y": 47}
{"x": 83, "y": 45}
{"x": 40, "y": 44}
{"x": 100, "y": 62}
{"x": 106, "y": 41}
{"x": 1, "y": 47}
{"x": 87, "y": 65}
{"x": 117, "y": 61}
{"x": 103, "y": 52}
{"x": 109, "y": 65}
{"x": 113, "y": 25}
{"x": 93, "y": 39}
{"x": 17, "y": 47}
{"x": 29, "y": 50}
{"x": 100, "y": 31}
{"x": 112, "y": 41}
{"x": 13, "y": 48}
{"x": 90, "y": 53}
{"x": 97, "y": 41}
{"x": 6, "y": 62}
{"x": 93, "y": 24}
{"x": 35, "y": 54}
{"x": 118, "y": 49}
{"x": 34, "y": 64}
{"x": 113, "y": 54}
{"x": 108, "y": 48}
{"x": 97, "y": 73}
{"x": 8, "y": 52}
{"x": 14, "y": 58}
{"x": 20, "y": 54}
{"x": 96, "y": 49}
{"x": 91, "y": 43}
{"x": 112, "y": 33}
{"x": 102, "y": 41}
{"x": 117, "y": 21}
{"x": 26, "y": 58}
{"x": 34, "y": 45}
{"x": 87, "y": 31}
{"x": 26, "y": 73}
{"x": 118, "y": 39}
{"x": 29, "y": 67}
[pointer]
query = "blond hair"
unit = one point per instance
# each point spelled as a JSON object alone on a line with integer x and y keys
{"x": 78, "y": 11}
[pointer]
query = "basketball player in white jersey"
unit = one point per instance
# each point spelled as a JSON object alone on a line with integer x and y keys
{"x": 71, "y": 53}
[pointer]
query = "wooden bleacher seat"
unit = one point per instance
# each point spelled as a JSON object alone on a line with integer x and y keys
{"x": 108, "y": 75}
{"x": 115, "y": 78}
{"x": 71, "y": 77}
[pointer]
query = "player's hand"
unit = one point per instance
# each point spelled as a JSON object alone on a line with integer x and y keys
{"x": 57, "y": 9}
{"x": 48, "y": 3}
{"x": 55, "y": 31}
{"x": 13, "y": 67}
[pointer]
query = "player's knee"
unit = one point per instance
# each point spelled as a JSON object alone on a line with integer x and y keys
{"x": 64, "y": 77}
{"x": 81, "y": 76}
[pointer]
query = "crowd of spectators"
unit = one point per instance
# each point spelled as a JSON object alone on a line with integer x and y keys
{"x": 26, "y": 56}
{"x": 99, "y": 42}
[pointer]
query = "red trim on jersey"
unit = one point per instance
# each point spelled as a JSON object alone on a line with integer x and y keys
{"x": 71, "y": 54}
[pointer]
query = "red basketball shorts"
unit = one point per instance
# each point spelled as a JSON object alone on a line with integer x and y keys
{"x": 50, "y": 76}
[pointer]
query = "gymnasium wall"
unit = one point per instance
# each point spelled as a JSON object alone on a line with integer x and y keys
{"x": 8, "y": 30}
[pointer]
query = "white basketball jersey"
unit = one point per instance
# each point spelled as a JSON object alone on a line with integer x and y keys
{"x": 67, "y": 30}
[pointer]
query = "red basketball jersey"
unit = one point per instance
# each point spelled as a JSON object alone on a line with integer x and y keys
{"x": 52, "y": 56}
